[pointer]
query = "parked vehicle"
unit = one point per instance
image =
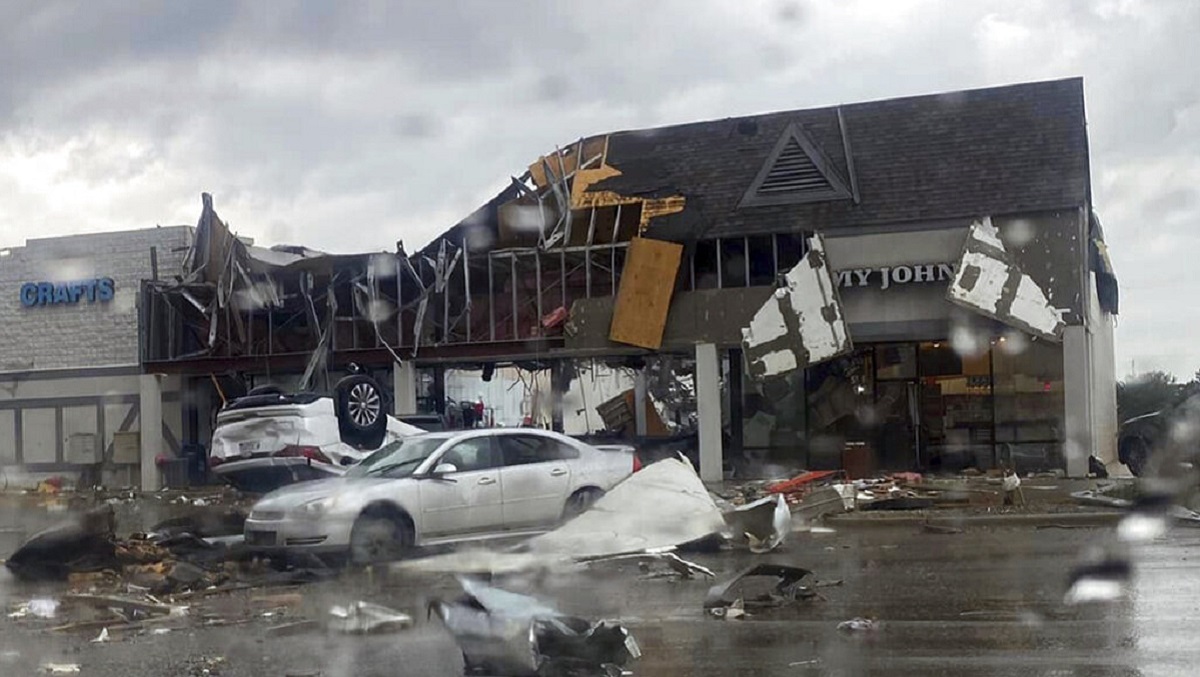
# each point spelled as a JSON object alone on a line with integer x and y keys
{"x": 270, "y": 438}
{"x": 441, "y": 488}
{"x": 1141, "y": 437}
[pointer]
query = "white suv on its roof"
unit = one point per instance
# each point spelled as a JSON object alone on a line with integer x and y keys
{"x": 270, "y": 438}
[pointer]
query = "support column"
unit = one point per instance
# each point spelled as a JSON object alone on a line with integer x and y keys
{"x": 708, "y": 411}
{"x": 560, "y": 384}
{"x": 736, "y": 411}
{"x": 1077, "y": 400}
{"x": 438, "y": 391}
{"x": 404, "y": 389}
{"x": 150, "y": 427}
{"x": 639, "y": 402}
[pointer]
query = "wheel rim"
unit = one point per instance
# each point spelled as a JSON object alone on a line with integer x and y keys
{"x": 364, "y": 404}
{"x": 581, "y": 501}
{"x": 376, "y": 542}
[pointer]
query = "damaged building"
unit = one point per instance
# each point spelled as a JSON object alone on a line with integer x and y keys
{"x": 909, "y": 283}
{"x": 71, "y": 384}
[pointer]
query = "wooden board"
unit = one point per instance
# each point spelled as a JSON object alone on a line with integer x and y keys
{"x": 644, "y": 297}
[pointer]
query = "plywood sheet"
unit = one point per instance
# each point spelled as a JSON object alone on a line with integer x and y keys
{"x": 644, "y": 297}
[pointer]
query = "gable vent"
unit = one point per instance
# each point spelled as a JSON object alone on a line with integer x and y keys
{"x": 796, "y": 171}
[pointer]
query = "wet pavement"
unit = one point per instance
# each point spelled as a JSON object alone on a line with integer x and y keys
{"x": 984, "y": 602}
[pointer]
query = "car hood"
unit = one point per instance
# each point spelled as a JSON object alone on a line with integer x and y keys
{"x": 350, "y": 489}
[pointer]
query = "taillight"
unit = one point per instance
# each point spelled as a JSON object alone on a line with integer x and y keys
{"x": 213, "y": 461}
{"x": 637, "y": 462}
{"x": 311, "y": 453}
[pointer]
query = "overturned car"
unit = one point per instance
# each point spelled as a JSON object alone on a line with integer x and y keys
{"x": 270, "y": 438}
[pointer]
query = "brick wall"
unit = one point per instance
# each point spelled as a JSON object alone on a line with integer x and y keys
{"x": 81, "y": 334}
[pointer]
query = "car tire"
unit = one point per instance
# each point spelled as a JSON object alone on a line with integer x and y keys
{"x": 377, "y": 538}
{"x": 361, "y": 411}
{"x": 1137, "y": 455}
{"x": 579, "y": 502}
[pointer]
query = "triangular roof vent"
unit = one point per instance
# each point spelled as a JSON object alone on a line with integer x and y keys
{"x": 796, "y": 171}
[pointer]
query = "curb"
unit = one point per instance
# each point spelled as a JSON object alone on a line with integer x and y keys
{"x": 1074, "y": 519}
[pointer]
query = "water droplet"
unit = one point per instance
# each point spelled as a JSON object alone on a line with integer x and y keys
{"x": 1104, "y": 579}
{"x": 1139, "y": 527}
{"x": 1087, "y": 590}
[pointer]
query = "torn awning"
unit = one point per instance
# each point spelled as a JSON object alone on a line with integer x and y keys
{"x": 989, "y": 281}
{"x": 801, "y": 324}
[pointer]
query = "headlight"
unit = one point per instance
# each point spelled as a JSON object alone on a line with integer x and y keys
{"x": 316, "y": 508}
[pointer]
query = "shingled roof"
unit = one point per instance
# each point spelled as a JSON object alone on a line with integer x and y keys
{"x": 999, "y": 150}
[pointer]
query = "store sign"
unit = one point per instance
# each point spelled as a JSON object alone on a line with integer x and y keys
{"x": 99, "y": 290}
{"x": 887, "y": 277}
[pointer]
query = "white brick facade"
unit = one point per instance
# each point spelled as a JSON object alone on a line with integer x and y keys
{"x": 83, "y": 333}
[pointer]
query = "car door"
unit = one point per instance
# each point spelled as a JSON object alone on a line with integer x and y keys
{"x": 536, "y": 476}
{"x": 467, "y": 501}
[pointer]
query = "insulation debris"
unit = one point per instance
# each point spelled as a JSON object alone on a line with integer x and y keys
{"x": 801, "y": 324}
{"x": 661, "y": 506}
{"x": 989, "y": 281}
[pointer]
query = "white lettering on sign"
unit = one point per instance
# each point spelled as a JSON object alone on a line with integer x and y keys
{"x": 888, "y": 276}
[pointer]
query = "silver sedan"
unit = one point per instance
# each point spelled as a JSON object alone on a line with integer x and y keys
{"x": 440, "y": 488}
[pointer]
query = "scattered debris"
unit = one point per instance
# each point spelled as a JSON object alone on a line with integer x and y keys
{"x": 60, "y": 668}
{"x": 361, "y": 618}
{"x": 102, "y": 637}
{"x": 677, "y": 565}
{"x": 802, "y": 481}
{"x": 84, "y": 543}
{"x": 506, "y": 633}
{"x": 782, "y": 587}
{"x": 293, "y": 628}
{"x": 129, "y": 606}
{"x": 898, "y": 503}
{"x": 1100, "y": 498}
{"x": 1011, "y": 483}
{"x": 859, "y": 624}
{"x": 940, "y": 529}
{"x": 764, "y": 523}
{"x": 40, "y": 607}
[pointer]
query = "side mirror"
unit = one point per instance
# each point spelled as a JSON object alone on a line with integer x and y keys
{"x": 444, "y": 469}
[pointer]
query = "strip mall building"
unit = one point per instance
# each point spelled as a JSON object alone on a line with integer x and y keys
{"x": 539, "y": 278}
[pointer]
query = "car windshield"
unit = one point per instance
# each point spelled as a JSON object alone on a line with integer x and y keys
{"x": 397, "y": 459}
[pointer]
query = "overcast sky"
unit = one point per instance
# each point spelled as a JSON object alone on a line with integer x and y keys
{"x": 345, "y": 126}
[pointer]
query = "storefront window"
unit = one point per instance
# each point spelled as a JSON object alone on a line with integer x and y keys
{"x": 1030, "y": 406}
{"x": 956, "y": 408}
{"x": 841, "y": 407}
{"x": 895, "y": 361}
